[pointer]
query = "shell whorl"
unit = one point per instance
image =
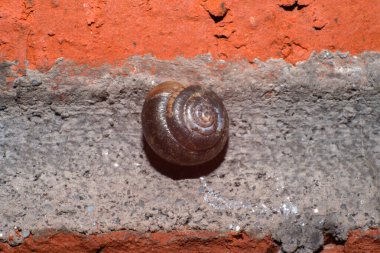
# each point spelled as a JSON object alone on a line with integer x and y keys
{"x": 186, "y": 125}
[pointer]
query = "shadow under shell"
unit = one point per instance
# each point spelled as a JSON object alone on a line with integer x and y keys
{"x": 179, "y": 172}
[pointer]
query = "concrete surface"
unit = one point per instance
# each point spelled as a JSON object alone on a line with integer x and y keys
{"x": 303, "y": 156}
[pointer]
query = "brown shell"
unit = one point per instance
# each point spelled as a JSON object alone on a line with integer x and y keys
{"x": 185, "y": 125}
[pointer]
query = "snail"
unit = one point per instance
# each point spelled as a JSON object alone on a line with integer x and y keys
{"x": 184, "y": 124}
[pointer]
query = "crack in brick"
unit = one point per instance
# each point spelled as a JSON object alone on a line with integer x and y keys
{"x": 217, "y": 16}
{"x": 294, "y": 6}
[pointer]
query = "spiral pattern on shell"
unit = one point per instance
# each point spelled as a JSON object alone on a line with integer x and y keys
{"x": 185, "y": 125}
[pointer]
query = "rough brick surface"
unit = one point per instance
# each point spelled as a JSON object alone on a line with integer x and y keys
{"x": 161, "y": 242}
{"x": 95, "y": 32}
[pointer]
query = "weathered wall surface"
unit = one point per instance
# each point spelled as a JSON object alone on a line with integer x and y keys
{"x": 95, "y": 32}
{"x": 303, "y": 156}
{"x": 302, "y": 165}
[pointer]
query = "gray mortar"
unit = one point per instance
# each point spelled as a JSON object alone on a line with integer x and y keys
{"x": 303, "y": 156}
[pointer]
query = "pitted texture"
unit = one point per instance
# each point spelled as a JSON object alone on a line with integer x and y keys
{"x": 303, "y": 155}
{"x": 98, "y": 32}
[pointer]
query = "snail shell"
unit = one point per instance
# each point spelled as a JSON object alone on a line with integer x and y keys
{"x": 185, "y": 125}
